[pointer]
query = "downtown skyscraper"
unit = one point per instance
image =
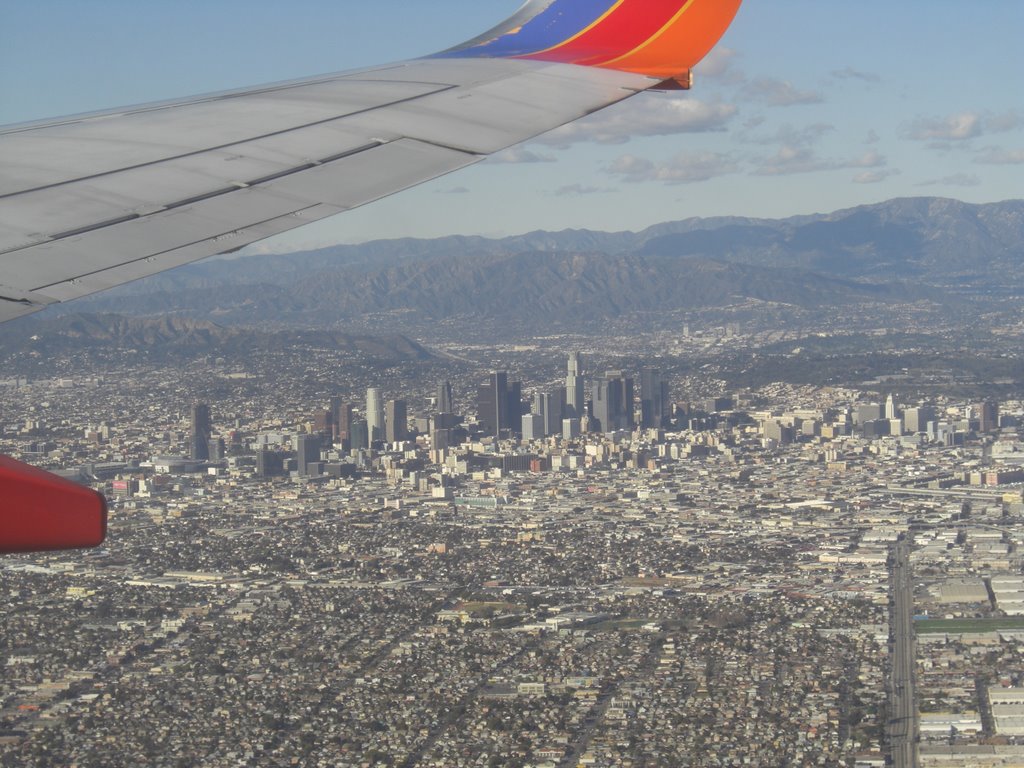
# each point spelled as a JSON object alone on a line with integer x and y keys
{"x": 307, "y": 451}
{"x": 655, "y": 406}
{"x": 499, "y": 404}
{"x": 199, "y": 433}
{"x": 341, "y": 417}
{"x": 374, "y": 414}
{"x": 575, "y": 403}
{"x": 613, "y": 401}
{"x": 397, "y": 421}
{"x": 445, "y": 399}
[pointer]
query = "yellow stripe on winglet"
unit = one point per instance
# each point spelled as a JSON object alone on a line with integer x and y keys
{"x": 583, "y": 31}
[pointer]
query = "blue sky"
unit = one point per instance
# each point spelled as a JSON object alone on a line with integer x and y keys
{"x": 807, "y": 106}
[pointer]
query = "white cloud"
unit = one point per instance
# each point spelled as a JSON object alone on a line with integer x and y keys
{"x": 791, "y": 159}
{"x": 652, "y": 115}
{"x": 872, "y": 159}
{"x": 958, "y": 127}
{"x": 792, "y": 136}
{"x": 780, "y": 93}
{"x": 956, "y": 180}
{"x": 718, "y": 66}
{"x": 572, "y": 190}
{"x": 684, "y": 168}
{"x": 874, "y": 177}
{"x": 849, "y": 73}
{"x": 1000, "y": 156}
{"x": 1004, "y": 122}
{"x": 962, "y": 126}
{"x": 520, "y": 155}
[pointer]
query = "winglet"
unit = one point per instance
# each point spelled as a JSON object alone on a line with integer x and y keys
{"x": 658, "y": 38}
{"x": 40, "y": 511}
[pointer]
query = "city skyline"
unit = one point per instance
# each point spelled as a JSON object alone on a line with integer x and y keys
{"x": 582, "y": 595}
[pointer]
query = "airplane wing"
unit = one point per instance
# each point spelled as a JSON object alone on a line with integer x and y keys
{"x": 93, "y": 201}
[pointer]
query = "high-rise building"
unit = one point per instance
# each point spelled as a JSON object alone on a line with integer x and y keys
{"x": 533, "y": 426}
{"x": 445, "y": 399}
{"x": 515, "y": 406}
{"x": 358, "y": 434}
{"x": 915, "y": 420}
{"x": 341, "y": 417}
{"x": 570, "y": 428}
{"x": 989, "y": 416}
{"x": 890, "y": 407}
{"x": 396, "y": 419}
{"x": 574, "y": 396}
{"x": 575, "y": 364}
{"x": 499, "y": 404}
{"x": 307, "y": 452}
{"x": 323, "y": 423}
{"x": 550, "y": 406}
{"x": 440, "y": 439}
{"x": 216, "y": 450}
{"x": 867, "y": 412}
{"x": 613, "y": 401}
{"x": 654, "y": 400}
{"x": 374, "y": 414}
{"x": 199, "y": 445}
{"x": 492, "y": 403}
{"x": 269, "y": 463}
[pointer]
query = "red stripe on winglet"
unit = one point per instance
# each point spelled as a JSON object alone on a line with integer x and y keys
{"x": 628, "y": 26}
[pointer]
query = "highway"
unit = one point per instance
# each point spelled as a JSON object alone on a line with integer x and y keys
{"x": 903, "y": 723}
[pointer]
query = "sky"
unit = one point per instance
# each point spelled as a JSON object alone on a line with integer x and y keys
{"x": 806, "y": 106}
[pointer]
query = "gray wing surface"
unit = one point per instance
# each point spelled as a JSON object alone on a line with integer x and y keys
{"x": 94, "y": 201}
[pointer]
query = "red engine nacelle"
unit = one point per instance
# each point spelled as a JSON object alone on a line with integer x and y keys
{"x": 40, "y": 511}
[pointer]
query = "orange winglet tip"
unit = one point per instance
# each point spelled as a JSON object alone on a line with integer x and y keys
{"x": 657, "y": 38}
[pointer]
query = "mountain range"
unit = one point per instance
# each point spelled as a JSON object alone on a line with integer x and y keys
{"x": 901, "y": 250}
{"x": 179, "y": 336}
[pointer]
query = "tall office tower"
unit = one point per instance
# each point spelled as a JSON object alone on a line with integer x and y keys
{"x": 445, "y": 399}
{"x": 217, "y": 450}
{"x": 341, "y": 417}
{"x": 374, "y": 414}
{"x": 441, "y": 438}
{"x": 989, "y": 416}
{"x": 867, "y": 412}
{"x": 890, "y": 407}
{"x": 655, "y": 407}
{"x": 492, "y": 403}
{"x": 550, "y": 406}
{"x": 268, "y": 463}
{"x": 916, "y": 419}
{"x": 358, "y": 434}
{"x": 397, "y": 421}
{"x": 199, "y": 446}
{"x": 613, "y": 401}
{"x": 323, "y": 424}
{"x": 515, "y": 408}
{"x": 308, "y": 451}
{"x": 570, "y": 428}
{"x": 574, "y": 396}
{"x": 533, "y": 426}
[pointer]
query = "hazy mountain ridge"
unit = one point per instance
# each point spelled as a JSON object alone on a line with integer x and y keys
{"x": 902, "y": 249}
{"x": 168, "y": 334}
